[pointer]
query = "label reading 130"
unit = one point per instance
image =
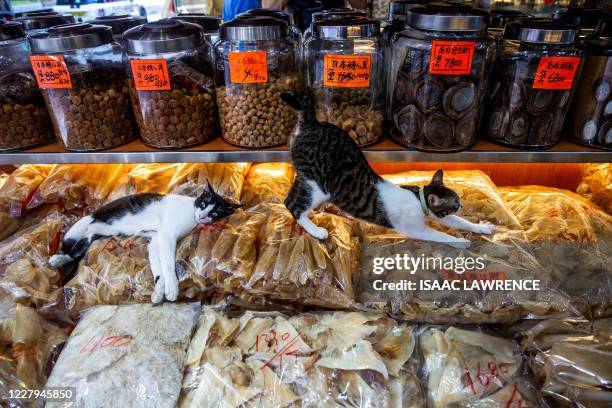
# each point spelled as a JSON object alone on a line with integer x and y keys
{"x": 52, "y": 394}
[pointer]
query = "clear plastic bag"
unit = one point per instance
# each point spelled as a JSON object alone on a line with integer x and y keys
{"x": 132, "y": 354}
{"x": 596, "y": 185}
{"x": 267, "y": 182}
{"x": 18, "y": 189}
{"x": 307, "y": 360}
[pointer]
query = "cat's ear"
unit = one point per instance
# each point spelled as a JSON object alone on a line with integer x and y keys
{"x": 433, "y": 201}
{"x": 293, "y": 99}
{"x": 438, "y": 178}
{"x": 208, "y": 188}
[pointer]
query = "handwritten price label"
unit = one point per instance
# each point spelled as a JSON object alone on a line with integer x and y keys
{"x": 481, "y": 378}
{"x": 451, "y": 57}
{"x": 347, "y": 71}
{"x": 248, "y": 67}
{"x": 556, "y": 72}
{"x": 100, "y": 342}
{"x": 281, "y": 344}
{"x": 151, "y": 75}
{"x": 51, "y": 71}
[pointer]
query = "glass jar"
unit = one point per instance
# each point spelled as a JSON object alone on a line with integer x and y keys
{"x": 440, "y": 70}
{"x": 42, "y": 20}
{"x": 294, "y": 33}
{"x": 171, "y": 84}
{"x": 589, "y": 121}
{"x": 331, "y": 14}
{"x": 119, "y": 24}
{"x": 499, "y": 18}
{"x": 24, "y": 121}
{"x": 256, "y": 62}
{"x": 209, "y": 24}
{"x": 533, "y": 83}
{"x": 344, "y": 59}
{"x": 584, "y": 17}
{"x": 398, "y": 9}
{"x": 81, "y": 73}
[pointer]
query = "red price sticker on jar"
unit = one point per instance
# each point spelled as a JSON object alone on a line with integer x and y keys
{"x": 556, "y": 72}
{"x": 248, "y": 67}
{"x": 451, "y": 57}
{"x": 346, "y": 71}
{"x": 51, "y": 71}
{"x": 151, "y": 74}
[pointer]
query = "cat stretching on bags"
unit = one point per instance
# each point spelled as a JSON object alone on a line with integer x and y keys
{"x": 330, "y": 167}
{"x": 163, "y": 218}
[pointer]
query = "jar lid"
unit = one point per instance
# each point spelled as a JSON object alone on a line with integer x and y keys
{"x": 262, "y": 12}
{"x": 542, "y": 30}
{"x": 583, "y": 17}
{"x": 444, "y": 18}
{"x": 337, "y": 13}
{"x": 119, "y": 23}
{"x": 499, "y": 18}
{"x": 347, "y": 27}
{"x": 10, "y": 30}
{"x": 68, "y": 37}
{"x": 161, "y": 36}
{"x": 601, "y": 40}
{"x": 44, "y": 19}
{"x": 399, "y": 8}
{"x": 208, "y": 23}
{"x": 253, "y": 29}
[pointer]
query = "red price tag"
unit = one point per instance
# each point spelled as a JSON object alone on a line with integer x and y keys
{"x": 347, "y": 71}
{"x": 151, "y": 75}
{"x": 451, "y": 57}
{"x": 51, "y": 71}
{"x": 248, "y": 67}
{"x": 556, "y": 72}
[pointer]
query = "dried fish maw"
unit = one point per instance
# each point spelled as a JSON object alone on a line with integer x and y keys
{"x": 198, "y": 343}
{"x": 249, "y": 334}
{"x": 275, "y": 392}
{"x": 20, "y": 186}
{"x": 267, "y": 182}
{"x": 596, "y": 185}
{"x": 396, "y": 348}
{"x": 360, "y": 357}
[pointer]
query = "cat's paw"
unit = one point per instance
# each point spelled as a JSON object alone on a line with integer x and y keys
{"x": 461, "y": 243}
{"x": 59, "y": 260}
{"x": 158, "y": 293}
{"x": 319, "y": 233}
{"x": 172, "y": 290}
{"x": 485, "y": 228}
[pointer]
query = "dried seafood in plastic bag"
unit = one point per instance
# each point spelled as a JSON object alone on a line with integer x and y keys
{"x": 132, "y": 355}
{"x": 27, "y": 344}
{"x": 78, "y": 187}
{"x": 18, "y": 189}
{"x": 3, "y": 179}
{"x": 596, "y": 185}
{"x": 267, "y": 182}
{"x": 227, "y": 179}
{"x": 551, "y": 213}
{"x": 308, "y": 360}
{"x": 466, "y": 368}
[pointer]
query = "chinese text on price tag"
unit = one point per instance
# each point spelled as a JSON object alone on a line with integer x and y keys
{"x": 451, "y": 57}
{"x": 248, "y": 67}
{"x": 346, "y": 71}
{"x": 51, "y": 71}
{"x": 556, "y": 72}
{"x": 151, "y": 75}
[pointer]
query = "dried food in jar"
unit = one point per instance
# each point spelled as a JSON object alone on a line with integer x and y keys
{"x": 466, "y": 128}
{"x": 439, "y": 130}
{"x": 540, "y": 132}
{"x": 362, "y": 123}
{"x": 409, "y": 122}
{"x": 539, "y": 101}
{"x": 458, "y": 100}
{"x": 428, "y": 94}
{"x": 519, "y": 128}
{"x": 253, "y": 115}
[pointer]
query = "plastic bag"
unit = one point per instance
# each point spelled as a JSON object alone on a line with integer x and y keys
{"x": 79, "y": 187}
{"x": 596, "y": 185}
{"x": 267, "y": 182}
{"x": 308, "y": 360}
{"x": 552, "y": 213}
{"x": 132, "y": 355}
{"x": 465, "y": 368}
{"x": 18, "y": 189}
{"x": 3, "y": 179}
{"x": 27, "y": 344}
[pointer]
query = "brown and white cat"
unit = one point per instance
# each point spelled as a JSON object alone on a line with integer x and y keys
{"x": 330, "y": 167}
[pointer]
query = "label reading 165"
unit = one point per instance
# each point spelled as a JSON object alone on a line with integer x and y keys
{"x": 151, "y": 75}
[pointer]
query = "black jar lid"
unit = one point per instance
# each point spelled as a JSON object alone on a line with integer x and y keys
{"x": 399, "y": 8}
{"x": 253, "y": 29}
{"x": 208, "y": 23}
{"x": 347, "y": 28}
{"x": 542, "y": 31}
{"x": 336, "y": 13}
{"x": 11, "y": 30}
{"x": 583, "y": 17}
{"x": 161, "y": 36}
{"x": 68, "y": 37}
{"x": 600, "y": 42}
{"x": 44, "y": 19}
{"x": 442, "y": 18}
{"x": 499, "y": 18}
{"x": 119, "y": 23}
{"x": 262, "y": 12}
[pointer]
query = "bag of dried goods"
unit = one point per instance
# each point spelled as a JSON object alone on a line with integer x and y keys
{"x": 25, "y": 276}
{"x": 465, "y": 368}
{"x": 18, "y": 189}
{"x": 80, "y": 187}
{"x": 227, "y": 179}
{"x": 552, "y": 213}
{"x": 596, "y": 185}
{"x": 3, "y": 179}
{"x": 132, "y": 355}
{"x": 27, "y": 344}
{"x": 307, "y": 360}
{"x": 267, "y": 182}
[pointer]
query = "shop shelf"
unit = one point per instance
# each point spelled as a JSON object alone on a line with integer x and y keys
{"x": 385, "y": 151}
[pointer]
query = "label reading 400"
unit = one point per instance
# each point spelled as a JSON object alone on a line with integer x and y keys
{"x": 151, "y": 75}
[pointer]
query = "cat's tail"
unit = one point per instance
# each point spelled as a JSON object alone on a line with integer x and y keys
{"x": 301, "y": 102}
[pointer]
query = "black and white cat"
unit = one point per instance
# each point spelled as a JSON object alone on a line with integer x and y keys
{"x": 163, "y": 218}
{"x": 330, "y": 167}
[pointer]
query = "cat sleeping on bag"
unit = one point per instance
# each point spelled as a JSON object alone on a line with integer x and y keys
{"x": 330, "y": 167}
{"x": 163, "y": 218}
